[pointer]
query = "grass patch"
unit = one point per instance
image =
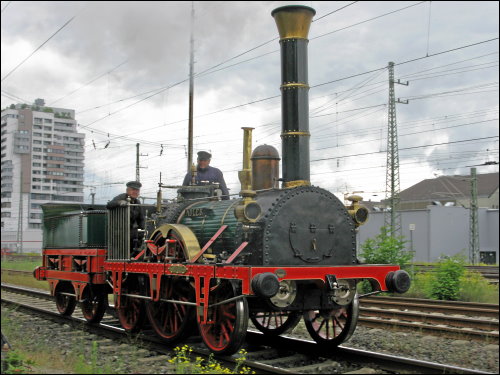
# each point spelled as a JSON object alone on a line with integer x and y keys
{"x": 25, "y": 280}
{"x": 33, "y": 355}
{"x": 22, "y": 265}
{"x": 475, "y": 288}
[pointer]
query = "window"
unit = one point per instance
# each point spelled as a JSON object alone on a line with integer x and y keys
{"x": 55, "y": 150}
{"x": 37, "y": 127}
{"x": 5, "y": 214}
{"x": 47, "y": 121}
{"x": 6, "y": 204}
{"x": 37, "y": 164}
{"x": 37, "y": 149}
{"x": 34, "y": 225}
{"x": 36, "y": 134}
{"x": 40, "y": 196}
{"x": 36, "y": 206}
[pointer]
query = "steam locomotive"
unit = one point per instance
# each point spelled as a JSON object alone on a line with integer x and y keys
{"x": 274, "y": 256}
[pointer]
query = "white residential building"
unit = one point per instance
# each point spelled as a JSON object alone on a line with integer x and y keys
{"x": 42, "y": 160}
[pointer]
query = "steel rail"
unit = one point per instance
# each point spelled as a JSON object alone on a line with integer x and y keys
{"x": 388, "y": 362}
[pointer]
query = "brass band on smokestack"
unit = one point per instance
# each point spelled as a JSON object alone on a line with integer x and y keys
{"x": 293, "y": 25}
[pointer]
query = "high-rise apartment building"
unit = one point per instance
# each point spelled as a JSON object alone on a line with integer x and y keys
{"x": 42, "y": 160}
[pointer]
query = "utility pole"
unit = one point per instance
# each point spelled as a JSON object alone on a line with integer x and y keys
{"x": 191, "y": 89}
{"x": 20, "y": 214}
{"x": 137, "y": 167}
{"x": 92, "y": 193}
{"x": 392, "y": 217}
{"x": 473, "y": 220}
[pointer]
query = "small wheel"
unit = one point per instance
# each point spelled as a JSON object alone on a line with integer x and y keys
{"x": 332, "y": 327}
{"x": 275, "y": 322}
{"x": 65, "y": 304}
{"x": 172, "y": 321}
{"x": 131, "y": 314}
{"x": 226, "y": 327}
{"x": 94, "y": 304}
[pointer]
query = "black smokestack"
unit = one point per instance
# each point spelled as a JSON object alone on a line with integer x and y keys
{"x": 293, "y": 25}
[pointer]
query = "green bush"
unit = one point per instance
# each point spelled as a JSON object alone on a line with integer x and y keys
{"x": 384, "y": 249}
{"x": 445, "y": 284}
{"x": 421, "y": 285}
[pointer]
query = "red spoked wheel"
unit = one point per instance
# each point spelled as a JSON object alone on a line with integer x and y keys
{"x": 332, "y": 327}
{"x": 172, "y": 321}
{"x": 275, "y": 322}
{"x": 94, "y": 304}
{"x": 131, "y": 313}
{"x": 65, "y": 302}
{"x": 227, "y": 323}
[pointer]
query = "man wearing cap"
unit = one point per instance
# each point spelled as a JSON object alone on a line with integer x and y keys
{"x": 136, "y": 214}
{"x": 206, "y": 173}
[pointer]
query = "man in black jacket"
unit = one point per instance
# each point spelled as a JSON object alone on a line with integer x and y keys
{"x": 136, "y": 214}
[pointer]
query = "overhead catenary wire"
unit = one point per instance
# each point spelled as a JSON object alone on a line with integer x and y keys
{"x": 38, "y": 48}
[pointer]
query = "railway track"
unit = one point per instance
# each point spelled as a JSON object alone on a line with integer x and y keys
{"x": 450, "y": 319}
{"x": 278, "y": 355}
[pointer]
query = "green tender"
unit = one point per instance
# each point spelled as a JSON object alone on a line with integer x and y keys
{"x": 74, "y": 226}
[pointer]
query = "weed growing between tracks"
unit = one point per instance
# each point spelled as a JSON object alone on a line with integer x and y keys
{"x": 16, "y": 363}
{"x": 184, "y": 364}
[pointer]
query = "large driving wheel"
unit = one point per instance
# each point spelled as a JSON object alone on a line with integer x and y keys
{"x": 275, "y": 322}
{"x": 65, "y": 298}
{"x": 131, "y": 313}
{"x": 332, "y": 327}
{"x": 172, "y": 321}
{"x": 227, "y": 323}
{"x": 94, "y": 304}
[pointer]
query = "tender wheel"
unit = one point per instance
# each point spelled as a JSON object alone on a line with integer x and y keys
{"x": 275, "y": 322}
{"x": 171, "y": 321}
{"x": 65, "y": 304}
{"x": 227, "y": 323}
{"x": 332, "y": 327}
{"x": 94, "y": 304}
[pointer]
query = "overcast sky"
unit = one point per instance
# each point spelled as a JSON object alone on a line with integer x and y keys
{"x": 124, "y": 66}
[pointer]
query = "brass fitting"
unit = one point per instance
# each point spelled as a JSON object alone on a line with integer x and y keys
{"x": 194, "y": 172}
{"x": 358, "y": 212}
{"x": 248, "y": 210}
{"x": 159, "y": 200}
